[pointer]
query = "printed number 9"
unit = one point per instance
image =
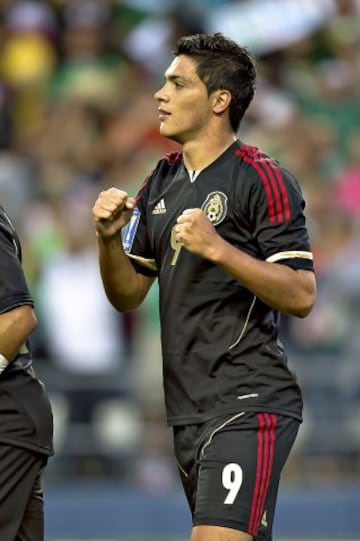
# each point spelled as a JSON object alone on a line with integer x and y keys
{"x": 232, "y": 477}
{"x": 175, "y": 245}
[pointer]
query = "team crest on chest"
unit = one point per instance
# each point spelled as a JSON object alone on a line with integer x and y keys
{"x": 215, "y": 207}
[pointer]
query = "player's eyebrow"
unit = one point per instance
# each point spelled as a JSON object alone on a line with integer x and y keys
{"x": 177, "y": 78}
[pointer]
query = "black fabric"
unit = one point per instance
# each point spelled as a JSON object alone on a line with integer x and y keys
{"x": 25, "y": 411}
{"x": 21, "y": 498}
{"x": 230, "y": 469}
{"x": 13, "y": 288}
{"x": 220, "y": 344}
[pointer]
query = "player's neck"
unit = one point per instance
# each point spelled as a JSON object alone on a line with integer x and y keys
{"x": 198, "y": 154}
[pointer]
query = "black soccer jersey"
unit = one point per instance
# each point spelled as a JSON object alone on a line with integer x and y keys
{"x": 220, "y": 345}
{"x": 25, "y": 411}
{"x": 13, "y": 288}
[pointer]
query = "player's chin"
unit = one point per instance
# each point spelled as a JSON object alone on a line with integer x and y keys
{"x": 170, "y": 134}
{"x": 165, "y": 130}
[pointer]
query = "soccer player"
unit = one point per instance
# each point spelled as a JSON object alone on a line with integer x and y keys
{"x": 221, "y": 226}
{"x": 26, "y": 422}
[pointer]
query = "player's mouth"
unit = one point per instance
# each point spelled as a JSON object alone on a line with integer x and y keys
{"x": 163, "y": 115}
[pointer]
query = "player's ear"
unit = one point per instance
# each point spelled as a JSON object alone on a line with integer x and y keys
{"x": 221, "y": 101}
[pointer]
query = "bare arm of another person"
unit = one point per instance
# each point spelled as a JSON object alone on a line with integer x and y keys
{"x": 279, "y": 286}
{"x": 124, "y": 287}
{"x": 16, "y": 325}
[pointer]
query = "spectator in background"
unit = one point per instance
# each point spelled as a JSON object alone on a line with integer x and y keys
{"x": 85, "y": 337}
{"x": 74, "y": 308}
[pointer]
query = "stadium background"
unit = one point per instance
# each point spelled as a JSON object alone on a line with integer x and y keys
{"x": 77, "y": 116}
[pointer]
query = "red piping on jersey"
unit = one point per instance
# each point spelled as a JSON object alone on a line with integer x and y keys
{"x": 143, "y": 185}
{"x": 173, "y": 157}
{"x": 265, "y": 459}
{"x": 267, "y": 171}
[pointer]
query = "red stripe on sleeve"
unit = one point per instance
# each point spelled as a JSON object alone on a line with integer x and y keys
{"x": 266, "y": 163}
{"x": 266, "y": 167}
{"x": 283, "y": 190}
{"x": 265, "y": 182}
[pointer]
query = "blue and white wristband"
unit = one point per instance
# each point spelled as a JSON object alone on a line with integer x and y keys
{"x": 3, "y": 363}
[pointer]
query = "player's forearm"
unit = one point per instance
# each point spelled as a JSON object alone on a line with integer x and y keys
{"x": 279, "y": 286}
{"x": 16, "y": 325}
{"x": 121, "y": 282}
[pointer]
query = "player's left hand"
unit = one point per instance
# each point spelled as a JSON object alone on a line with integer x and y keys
{"x": 196, "y": 233}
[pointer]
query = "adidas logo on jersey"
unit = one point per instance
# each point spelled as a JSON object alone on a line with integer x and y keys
{"x": 159, "y": 207}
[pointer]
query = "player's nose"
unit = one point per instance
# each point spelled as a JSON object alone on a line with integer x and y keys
{"x": 160, "y": 95}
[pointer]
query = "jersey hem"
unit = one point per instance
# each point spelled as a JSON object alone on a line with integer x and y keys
{"x": 6, "y": 307}
{"x": 226, "y": 523}
{"x": 37, "y": 448}
{"x": 198, "y": 419}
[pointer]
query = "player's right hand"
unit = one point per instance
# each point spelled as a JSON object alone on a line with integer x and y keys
{"x": 112, "y": 211}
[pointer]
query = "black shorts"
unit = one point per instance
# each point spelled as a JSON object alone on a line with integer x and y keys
{"x": 230, "y": 469}
{"x": 21, "y": 497}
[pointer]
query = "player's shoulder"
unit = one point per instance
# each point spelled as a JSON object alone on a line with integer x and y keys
{"x": 9, "y": 240}
{"x": 255, "y": 159}
{"x": 2, "y": 216}
{"x": 170, "y": 161}
{"x": 263, "y": 169}
{"x": 6, "y": 228}
{"x": 165, "y": 169}
{"x": 162, "y": 173}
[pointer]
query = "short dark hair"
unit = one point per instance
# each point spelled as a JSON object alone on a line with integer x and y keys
{"x": 222, "y": 64}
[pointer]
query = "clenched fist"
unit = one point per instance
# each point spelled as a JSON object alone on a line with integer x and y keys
{"x": 196, "y": 233}
{"x": 112, "y": 211}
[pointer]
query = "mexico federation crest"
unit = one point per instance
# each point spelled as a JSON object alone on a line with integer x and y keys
{"x": 215, "y": 207}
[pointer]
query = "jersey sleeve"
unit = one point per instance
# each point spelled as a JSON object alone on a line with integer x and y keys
{"x": 135, "y": 235}
{"x": 277, "y": 211}
{"x": 13, "y": 287}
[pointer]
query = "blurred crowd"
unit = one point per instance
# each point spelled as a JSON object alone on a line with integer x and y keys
{"x": 77, "y": 116}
